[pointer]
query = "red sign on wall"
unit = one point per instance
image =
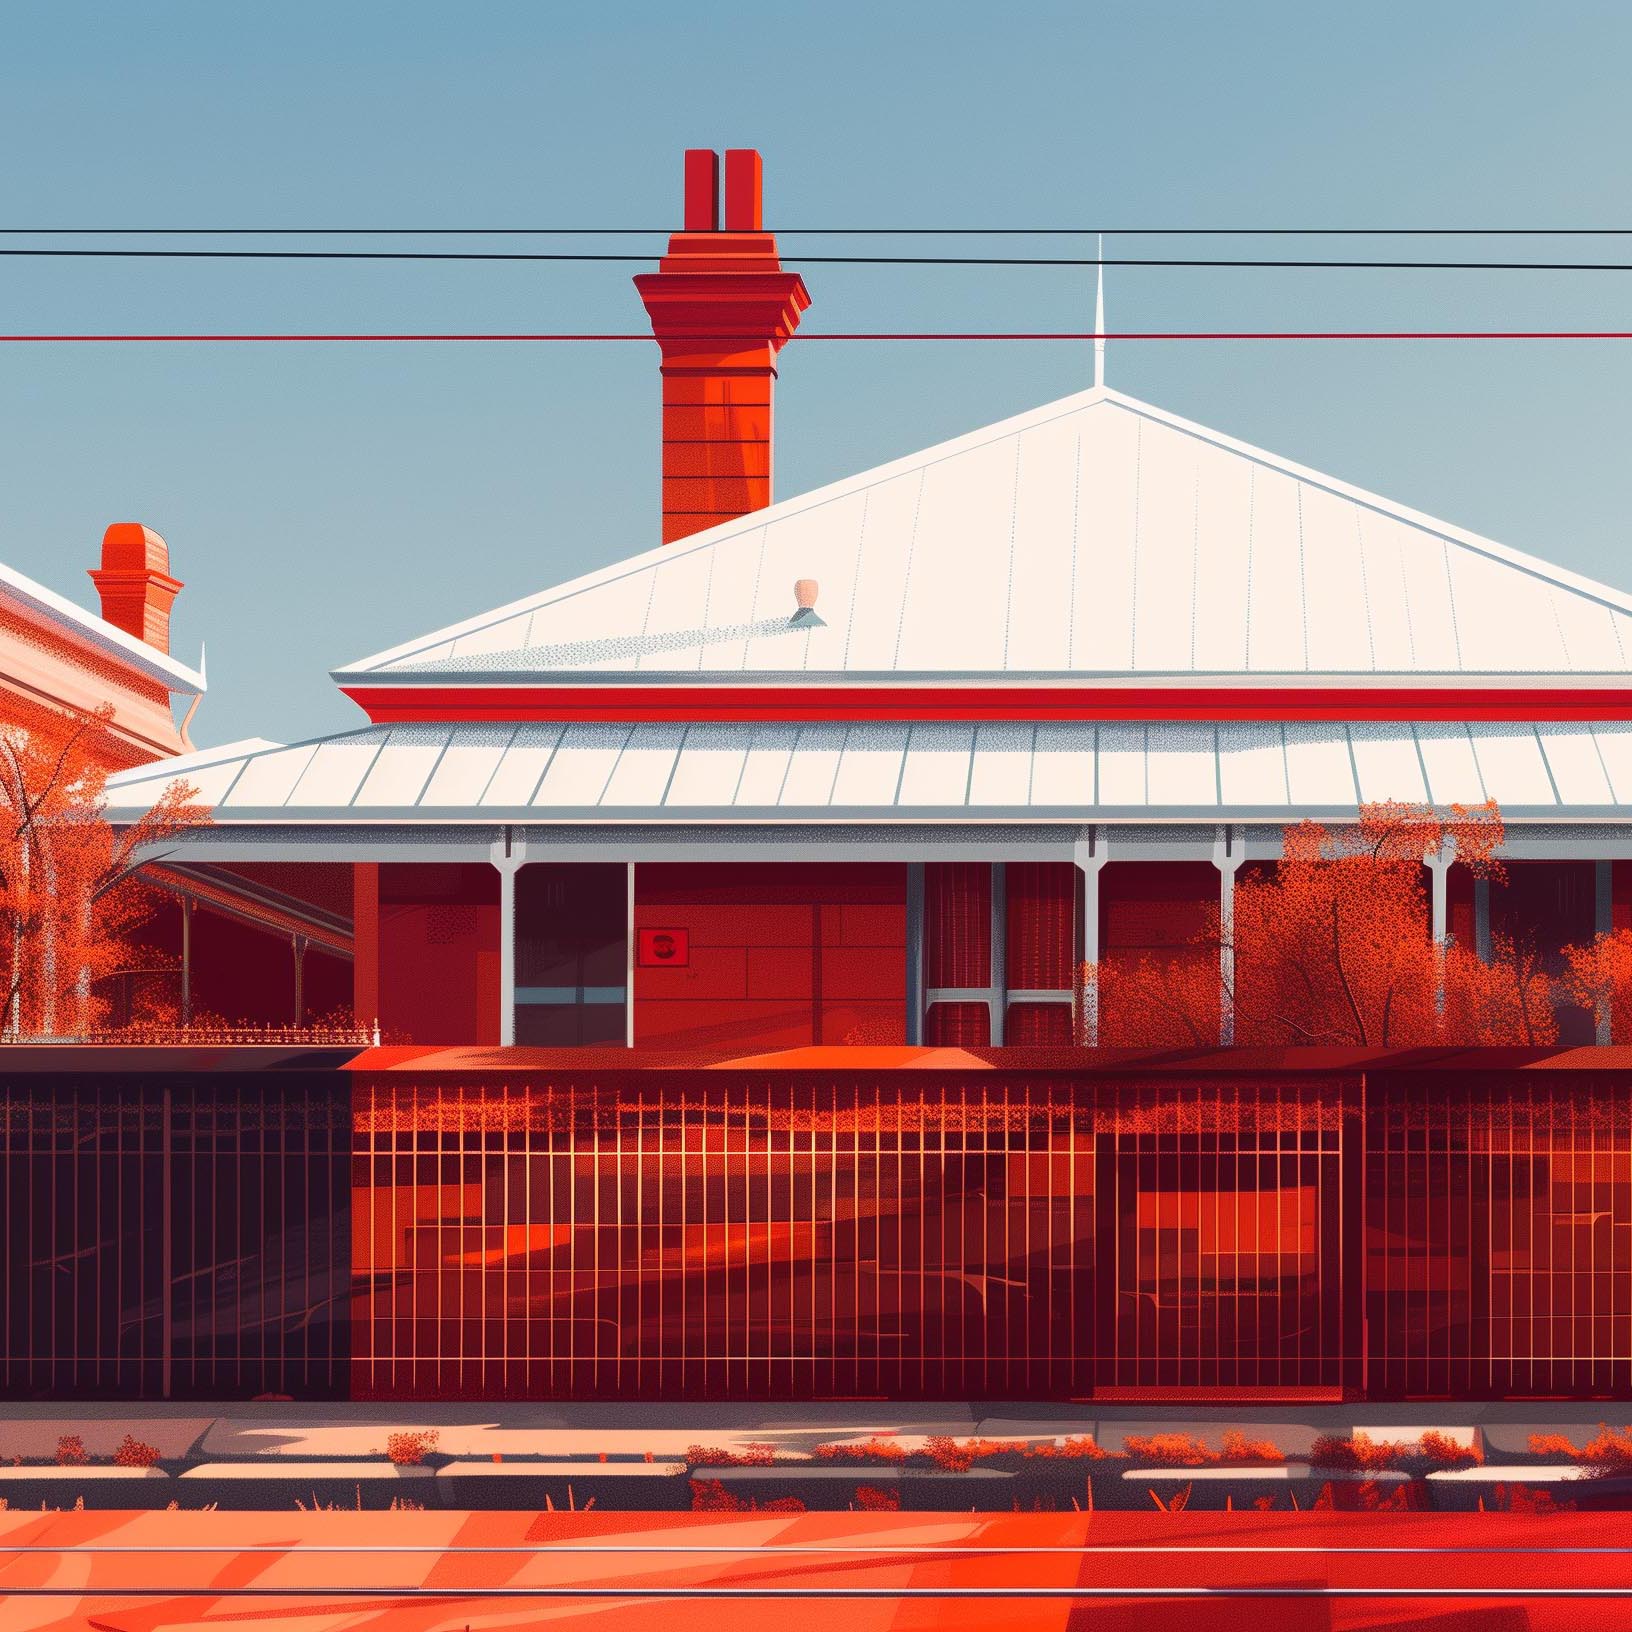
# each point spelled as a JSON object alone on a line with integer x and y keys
{"x": 663, "y": 948}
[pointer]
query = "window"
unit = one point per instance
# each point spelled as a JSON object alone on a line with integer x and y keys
{"x": 571, "y": 954}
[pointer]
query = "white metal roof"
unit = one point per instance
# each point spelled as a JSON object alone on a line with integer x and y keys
{"x": 878, "y": 772}
{"x": 1094, "y": 537}
{"x": 98, "y": 632}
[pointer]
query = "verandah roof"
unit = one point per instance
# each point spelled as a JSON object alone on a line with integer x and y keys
{"x": 1170, "y": 771}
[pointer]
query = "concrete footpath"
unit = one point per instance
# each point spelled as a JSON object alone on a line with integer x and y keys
{"x": 273, "y": 1454}
{"x": 567, "y": 1430}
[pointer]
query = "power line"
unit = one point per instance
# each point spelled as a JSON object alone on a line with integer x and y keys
{"x": 969, "y": 1550}
{"x": 451, "y": 1594}
{"x": 812, "y": 260}
{"x": 565, "y": 338}
{"x": 823, "y": 232}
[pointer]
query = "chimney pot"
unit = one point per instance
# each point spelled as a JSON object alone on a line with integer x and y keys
{"x": 744, "y": 190}
{"x": 702, "y": 211}
{"x": 134, "y": 582}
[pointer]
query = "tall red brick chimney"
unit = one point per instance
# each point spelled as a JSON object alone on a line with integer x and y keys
{"x": 721, "y": 308}
{"x": 135, "y": 584}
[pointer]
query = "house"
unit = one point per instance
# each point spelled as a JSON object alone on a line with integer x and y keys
{"x": 885, "y": 762}
{"x": 58, "y": 660}
{"x": 876, "y": 767}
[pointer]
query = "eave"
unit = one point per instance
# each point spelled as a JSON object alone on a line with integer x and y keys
{"x": 70, "y": 622}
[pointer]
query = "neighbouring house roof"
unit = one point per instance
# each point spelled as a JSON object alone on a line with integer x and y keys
{"x": 1096, "y": 540}
{"x": 78, "y": 623}
{"x": 57, "y": 659}
{"x": 737, "y": 773}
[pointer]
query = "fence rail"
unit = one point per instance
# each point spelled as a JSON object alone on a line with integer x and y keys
{"x": 204, "y": 1036}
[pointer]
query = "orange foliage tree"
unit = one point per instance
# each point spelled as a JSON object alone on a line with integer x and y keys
{"x": 1172, "y": 1001}
{"x": 1599, "y": 977}
{"x": 1332, "y": 946}
{"x": 71, "y": 891}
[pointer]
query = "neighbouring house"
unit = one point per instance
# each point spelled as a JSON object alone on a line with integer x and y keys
{"x": 58, "y": 659}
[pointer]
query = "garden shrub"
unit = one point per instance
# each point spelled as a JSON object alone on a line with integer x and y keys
{"x": 710, "y": 1496}
{"x": 1238, "y": 1448}
{"x": 408, "y": 1450}
{"x": 1445, "y": 1452}
{"x": 714, "y": 1456}
{"x": 959, "y": 1455}
{"x": 1608, "y": 1452}
{"x": 1179, "y": 1450}
{"x": 1080, "y": 1447}
{"x": 1553, "y": 1445}
{"x": 131, "y": 1452}
{"x": 876, "y": 1449}
{"x": 1359, "y": 1453}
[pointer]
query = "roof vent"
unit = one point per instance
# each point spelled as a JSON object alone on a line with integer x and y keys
{"x": 804, "y": 596}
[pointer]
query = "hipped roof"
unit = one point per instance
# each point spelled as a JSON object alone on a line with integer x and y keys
{"x": 1096, "y": 540}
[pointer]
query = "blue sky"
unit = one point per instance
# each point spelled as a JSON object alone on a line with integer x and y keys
{"x": 324, "y": 502}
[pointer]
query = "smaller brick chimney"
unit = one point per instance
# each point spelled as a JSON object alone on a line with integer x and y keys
{"x": 721, "y": 308}
{"x": 135, "y": 584}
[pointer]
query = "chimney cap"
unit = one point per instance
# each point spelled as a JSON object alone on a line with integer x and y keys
{"x": 128, "y": 546}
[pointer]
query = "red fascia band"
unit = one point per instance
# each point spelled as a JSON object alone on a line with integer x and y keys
{"x": 715, "y": 704}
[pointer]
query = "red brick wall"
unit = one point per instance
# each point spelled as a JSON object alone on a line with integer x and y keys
{"x": 1459, "y": 923}
{"x": 1156, "y": 910}
{"x": 439, "y": 953}
{"x": 1156, "y": 913}
{"x": 780, "y": 955}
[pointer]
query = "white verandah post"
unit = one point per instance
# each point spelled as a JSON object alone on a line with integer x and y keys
{"x": 915, "y": 953}
{"x": 508, "y": 855}
{"x": 997, "y": 998}
{"x": 629, "y": 958}
{"x": 1603, "y": 923}
{"x": 1227, "y": 859}
{"x": 1439, "y": 866}
{"x": 1090, "y": 858}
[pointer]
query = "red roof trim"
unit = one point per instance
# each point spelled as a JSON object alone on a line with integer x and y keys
{"x": 750, "y": 704}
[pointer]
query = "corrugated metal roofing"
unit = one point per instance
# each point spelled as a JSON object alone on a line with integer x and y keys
{"x": 1097, "y": 536}
{"x": 621, "y": 773}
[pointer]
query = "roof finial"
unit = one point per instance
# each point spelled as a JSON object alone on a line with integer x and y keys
{"x": 1099, "y": 319}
